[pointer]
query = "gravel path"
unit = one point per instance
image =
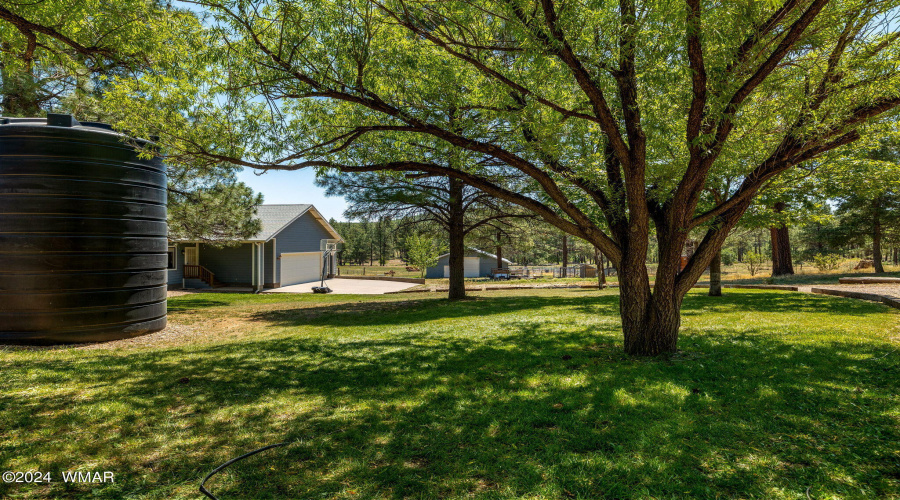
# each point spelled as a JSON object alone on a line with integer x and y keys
{"x": 885, "y": 290}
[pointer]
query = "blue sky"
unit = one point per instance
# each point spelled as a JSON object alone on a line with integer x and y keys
{"x": 294, "y": 187}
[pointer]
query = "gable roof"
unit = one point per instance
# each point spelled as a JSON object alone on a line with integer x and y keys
{"x": 274, "y": 218}
{"x": 480, "y": 252}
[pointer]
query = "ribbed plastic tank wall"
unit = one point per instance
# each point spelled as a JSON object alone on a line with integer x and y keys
{"x": 82, "y": 234}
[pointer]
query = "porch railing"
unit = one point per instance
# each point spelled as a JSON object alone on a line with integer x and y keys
{"x": 193, "y": 271}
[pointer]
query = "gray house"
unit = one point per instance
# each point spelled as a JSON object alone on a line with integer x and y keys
{"x": 476, "y": 264}
{"x": 287, "y": 251}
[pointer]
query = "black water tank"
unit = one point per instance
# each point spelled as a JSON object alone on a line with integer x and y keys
{"x": 82, "y": 234}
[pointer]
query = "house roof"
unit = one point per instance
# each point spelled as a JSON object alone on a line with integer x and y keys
{"x": 274, "y": 218}
{"x": 480, "y": 252}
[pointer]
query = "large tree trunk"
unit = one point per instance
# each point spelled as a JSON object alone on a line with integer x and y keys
{"x": 457, "y": 241}
{"x": 876, "y": 237}
{"x": 650, "y": 323}
{"x": 601, "y": 271}
{"x": 715, "y": 276}
{"x": 781, "y": 246}
{"x": 565, "y": 255}
{"x": 782, "y": 263}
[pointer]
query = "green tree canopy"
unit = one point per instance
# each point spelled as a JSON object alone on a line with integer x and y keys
{"x": 55, "y": 53}
{"x": 619, "y": 112}
{"x": 865, "y": 183}
{"x": 423, "y": 251}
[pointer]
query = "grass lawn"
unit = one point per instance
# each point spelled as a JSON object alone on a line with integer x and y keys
{"x": 512, "y": 394}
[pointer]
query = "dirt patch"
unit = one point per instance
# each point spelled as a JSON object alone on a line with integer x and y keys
{"x": 173, "y": 334}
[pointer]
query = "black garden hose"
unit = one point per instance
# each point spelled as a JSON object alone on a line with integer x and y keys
{"x": 233, "y": 460}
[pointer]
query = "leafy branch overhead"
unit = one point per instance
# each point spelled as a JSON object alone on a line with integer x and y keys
{"x": 53, "y": 50}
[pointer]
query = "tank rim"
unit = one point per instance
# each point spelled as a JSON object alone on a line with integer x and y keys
{"x": 55, "y": 120}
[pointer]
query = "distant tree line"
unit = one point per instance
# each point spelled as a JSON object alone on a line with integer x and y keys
{"x": 526, "y": 243}
{"x": 371, "y": 242}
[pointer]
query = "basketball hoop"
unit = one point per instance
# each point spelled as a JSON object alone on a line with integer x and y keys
{"x": 329, "y": 247}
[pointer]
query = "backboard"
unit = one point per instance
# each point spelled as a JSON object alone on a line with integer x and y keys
{"x": 331, "y": 245}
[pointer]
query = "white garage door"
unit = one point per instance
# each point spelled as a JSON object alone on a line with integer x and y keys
{"x": 300, "y": 267}
{"x": 471, "y": 268}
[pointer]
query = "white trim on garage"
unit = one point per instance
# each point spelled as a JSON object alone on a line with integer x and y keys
{"x": 300, "y": 267}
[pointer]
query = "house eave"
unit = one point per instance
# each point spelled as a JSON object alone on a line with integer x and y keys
{"x": 310, "y": 209}
{"x": 316, "y": 215}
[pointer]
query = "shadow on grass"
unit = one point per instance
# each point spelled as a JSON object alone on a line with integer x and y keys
{"x": 587, "y": 302}
{"x": 545, "y": 409}
{"x": 410, "y": 312}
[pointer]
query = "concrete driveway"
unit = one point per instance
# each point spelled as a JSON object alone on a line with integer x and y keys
{"x": 349, "y": 286}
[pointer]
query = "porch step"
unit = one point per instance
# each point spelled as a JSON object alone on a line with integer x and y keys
{"x": 195, "y": 283}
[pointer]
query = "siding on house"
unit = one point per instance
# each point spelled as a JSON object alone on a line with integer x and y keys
{"x": 486, "y": 265}
{"x": 174, "y": 276}
{"x": 437, "y": 271}
{"x": 270, "y": 279}
{"x": 303, "y": 235}
{"x": 230, "y": 265}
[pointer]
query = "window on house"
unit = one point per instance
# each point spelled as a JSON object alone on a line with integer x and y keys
{"x": 173, "y": 262}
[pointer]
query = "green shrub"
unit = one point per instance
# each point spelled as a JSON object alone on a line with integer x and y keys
{"x": 754, "y": 262}
{"x": 728, "y": 257}
{"x": 423, "y": 251}
{"x": 827, "y": 262}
